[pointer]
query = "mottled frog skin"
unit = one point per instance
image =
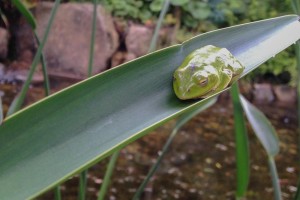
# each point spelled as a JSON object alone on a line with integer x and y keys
{"x": 206, "y": 71}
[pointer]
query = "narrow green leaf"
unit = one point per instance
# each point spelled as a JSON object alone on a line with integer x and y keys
{"x": 241, "y": 140}
{"x": 20, "y": 99}
{"x": 297, "y": 49}
{"x": 57, "y": 193}
{"x": 39, "y": 146}
{"x": 82, "y": 185}
{"x": 296, "y": 6}
{"x": 267, "y": 136}
{"x": 44, "y": 68}
{"x": 297, "y": 195}
{"x": 82, "y": 182}
{"x": 183, "y": 119}
{"x": 91, "y": 57}
{"x": 108, "y": 174}
{"x": 25, "y": 12}
{"x": 262, "y": 128}
{"x": 1, "y": 111}
{"x": 158, "y": 25}
{"x": 12, "y": 106}
{"x": 275, "y": 179}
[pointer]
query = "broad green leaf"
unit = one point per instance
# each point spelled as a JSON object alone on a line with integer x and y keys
{"x": 25, "y": 12}
{"x": 71, "y": 130}
{"x": 262, "y": 128}
{"x": 241, "y": 143}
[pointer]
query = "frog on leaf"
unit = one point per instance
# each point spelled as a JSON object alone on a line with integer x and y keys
{"x": 206, "y": 71}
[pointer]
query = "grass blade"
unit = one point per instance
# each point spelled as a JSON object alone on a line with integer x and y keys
{"x": 296, "y": 6}
{"x": 82, "y": 179}
{"x": 108, "y": 174}
{"x": 151, "y": 48}
{"x": 44, "y": 68}
{"x": 297, "y": 195}
{"x": 275, "y": 179}
{"x": 22, "y": 95}
{"x": 1, "y": 111}
{"x": 183, "y": 119}
{"x": 25, "y": 12}
{"x": 262, "y": 127}
{"x": 82, "y": 185}
{"x": 241, "y": 141}
{"x": 267, "y": 136}
{"x": 91, "y": 58}
{"x": 158, "y": 25}
{"x": 57, "y": 193}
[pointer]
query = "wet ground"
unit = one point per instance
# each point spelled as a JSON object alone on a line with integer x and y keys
{"x": 200, "y": 163}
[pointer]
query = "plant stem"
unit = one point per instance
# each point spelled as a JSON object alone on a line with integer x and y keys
{"x": 275, "y": 179}
{"x": 241, "y": 140}
{"x": 83, "y": 175}
{"x": 108, "y": 173}
{"x": 57, "y": 193}
{"x": 1, "y": 111}
{"x": 158, "y": 25}
{"x": 44, "y": 68}
{"x": 35, "y": 61}
{"x": 91, "y": 58}
{"x": 155, "y": 166}
{"x": 182, "y": 120}
{"x": 82, "y": 185}
{"x": 297, "y": 195}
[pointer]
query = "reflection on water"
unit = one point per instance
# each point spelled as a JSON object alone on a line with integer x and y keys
{"x": 201, "y": 160}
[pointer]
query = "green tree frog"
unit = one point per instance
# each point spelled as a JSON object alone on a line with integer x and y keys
{"x": 206, "y": 71}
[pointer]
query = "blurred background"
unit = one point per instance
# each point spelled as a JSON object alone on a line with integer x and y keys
{"x": 200, "y": 164}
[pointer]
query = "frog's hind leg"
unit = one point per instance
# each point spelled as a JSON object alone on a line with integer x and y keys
{"x": 225, "y": 79}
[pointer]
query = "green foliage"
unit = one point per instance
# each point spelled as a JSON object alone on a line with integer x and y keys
{"x": 129, "y": 9}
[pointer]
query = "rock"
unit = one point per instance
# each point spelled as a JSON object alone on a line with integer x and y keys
{"x": 23, "y": 41}
{"x": 68, "y": 45}
{"x": 285, "y": 94}
{"x": 263, "y": 93}
{"x": 121, "y": 57}
{"x": 3, "y": 43}
{"x": 1, "y": 72}
{"x": 138, "y": 39}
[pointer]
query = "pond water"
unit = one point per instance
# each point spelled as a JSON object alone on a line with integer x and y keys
{"x": 200, "y": 163}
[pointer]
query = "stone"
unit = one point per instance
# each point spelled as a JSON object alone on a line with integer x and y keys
{"x": 23, "y": 41}
{"x": 138, "y": 39}
{"x": 263, "y": 93}
{"x": 285, "y": 94}
{"x": 121, "y": 57}
{"x": 3, "y": 43}
{"x": 1, "y": 72}
{"x": 68, "y": 44}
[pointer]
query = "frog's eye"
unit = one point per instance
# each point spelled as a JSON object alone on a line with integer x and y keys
{"x": 203, "y": 82}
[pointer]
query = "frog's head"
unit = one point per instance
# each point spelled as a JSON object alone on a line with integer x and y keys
{"x": 192, "y": 85}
